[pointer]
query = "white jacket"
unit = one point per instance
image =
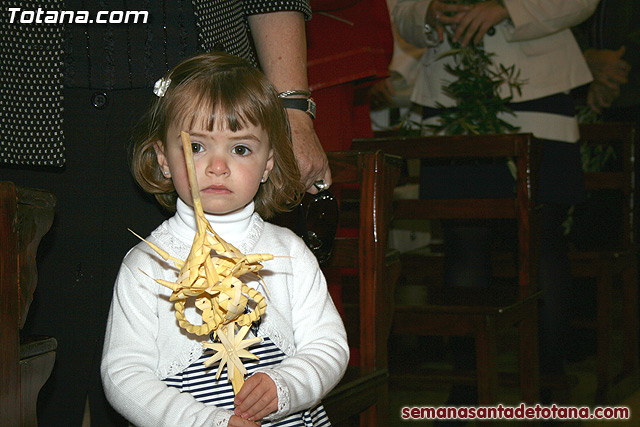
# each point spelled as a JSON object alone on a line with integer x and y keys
{"x": 144, "y": 344}
{"x": 537, "y": 39}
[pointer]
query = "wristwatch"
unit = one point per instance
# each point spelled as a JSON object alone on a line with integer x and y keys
{"x": 304, "y": 104}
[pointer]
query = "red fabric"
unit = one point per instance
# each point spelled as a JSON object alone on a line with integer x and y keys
{"x": 349, "y": 44}
{"x": 349, "y": 48}
{"x": 336, "y": 293}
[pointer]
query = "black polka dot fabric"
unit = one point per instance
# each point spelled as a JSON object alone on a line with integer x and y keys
{"x": 32, "y": 66}
{"x": 30, "y": 87}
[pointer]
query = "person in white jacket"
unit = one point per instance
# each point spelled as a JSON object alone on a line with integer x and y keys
{"x": 152, "y": 369}
{"x": 535, "y": 37}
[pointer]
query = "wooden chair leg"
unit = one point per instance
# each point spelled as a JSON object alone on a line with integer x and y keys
{"x": 382, "y": 408}
{"x": 630, "y": 316}
{"x": 34, "y": 373}
{"x": 368, "y": 417}
{"x": 528, "y": 357}
{"x": 377, "y": 415}
{"x": 604, "y": 336}
{"x": 487, "y": 365}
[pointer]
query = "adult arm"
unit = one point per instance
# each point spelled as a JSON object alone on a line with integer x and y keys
{"x": 280, "y": 41}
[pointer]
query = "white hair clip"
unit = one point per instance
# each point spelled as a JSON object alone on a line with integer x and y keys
{"x": 161, "y": 86}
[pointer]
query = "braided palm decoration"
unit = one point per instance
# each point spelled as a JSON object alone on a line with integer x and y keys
{"x": 211, "y": 274}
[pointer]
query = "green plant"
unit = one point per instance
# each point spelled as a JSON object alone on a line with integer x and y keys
{"x": 475, "y": 90}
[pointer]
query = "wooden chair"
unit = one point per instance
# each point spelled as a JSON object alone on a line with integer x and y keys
{"x": 480, "y": 313}
{"x": 604, "y": 247}
{"x": 367, "y": 271}
{"x": 25, "y": 365}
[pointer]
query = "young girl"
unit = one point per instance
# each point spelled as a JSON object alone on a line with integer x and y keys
{"x": 152, "y": 370}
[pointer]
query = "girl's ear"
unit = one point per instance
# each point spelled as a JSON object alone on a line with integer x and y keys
{"x": 269, "y": 166}
{"x": 162, "y": 158}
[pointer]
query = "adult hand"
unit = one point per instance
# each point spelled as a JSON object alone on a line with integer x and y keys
{"x": 610, "y": 72}
{"x": 608, "y": 67}
{"x": 381, "y": 95}
{"x": 440, "y": 14}
{"x": 601, "y": 96}
{"x": 257, "y": 398}
{"x": 473, "y": 24}
{"x": 311, "y": 158}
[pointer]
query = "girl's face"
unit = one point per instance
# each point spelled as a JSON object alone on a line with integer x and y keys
{"x": 230, "y": 166}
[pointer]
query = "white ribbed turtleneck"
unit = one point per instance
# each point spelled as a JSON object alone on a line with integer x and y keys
{"x": 232, "y": 227}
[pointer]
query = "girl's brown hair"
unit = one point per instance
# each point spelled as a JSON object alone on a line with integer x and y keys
{"x": 238, "y": 94}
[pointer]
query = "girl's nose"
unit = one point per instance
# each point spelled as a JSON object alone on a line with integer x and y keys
{"x": 217, "y": 165}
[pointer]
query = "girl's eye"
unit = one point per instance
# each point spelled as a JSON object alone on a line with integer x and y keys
{"x": 196, "y": 147}
{"x": 241, "y": 150}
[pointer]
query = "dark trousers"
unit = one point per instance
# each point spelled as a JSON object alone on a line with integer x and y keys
{"x": 78, "y": 259}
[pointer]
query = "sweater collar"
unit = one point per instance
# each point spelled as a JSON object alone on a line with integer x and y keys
{"x": 233, "y": 227}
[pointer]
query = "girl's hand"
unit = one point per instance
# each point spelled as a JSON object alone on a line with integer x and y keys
{"x": 236, "y": 421}
{"x": 475, "y": 22}
{"x": 257, "y": 398}
{"x": 440, "y": 14}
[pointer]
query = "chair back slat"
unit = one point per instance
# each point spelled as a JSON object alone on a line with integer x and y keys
{"x": 454, "y": 208}
{"x": 604, "y": 180}
{"x": 620, "y": 177}
{"x": 460, "y": 146}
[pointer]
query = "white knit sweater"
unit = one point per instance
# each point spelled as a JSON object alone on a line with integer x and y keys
{"x": 144, "y": 344}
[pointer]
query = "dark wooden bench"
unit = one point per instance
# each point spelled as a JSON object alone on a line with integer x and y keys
{"x": 25, "y": 364}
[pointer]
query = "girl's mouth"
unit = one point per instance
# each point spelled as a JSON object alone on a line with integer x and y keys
{"x": 216, "y": 189}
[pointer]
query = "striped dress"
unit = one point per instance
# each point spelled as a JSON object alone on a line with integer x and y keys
{"x": 201, "y": 383}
